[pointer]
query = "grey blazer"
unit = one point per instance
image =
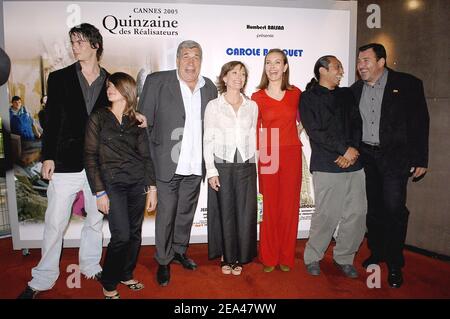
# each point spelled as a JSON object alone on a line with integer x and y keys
{"x": 162, "y": 104}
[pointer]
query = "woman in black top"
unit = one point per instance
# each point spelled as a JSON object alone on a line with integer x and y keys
{"x": 121, "y": 174}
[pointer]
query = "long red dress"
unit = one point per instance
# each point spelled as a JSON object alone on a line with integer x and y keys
{"x": 280, "y": 177}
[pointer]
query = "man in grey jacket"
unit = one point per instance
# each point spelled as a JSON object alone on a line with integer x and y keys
{"x": 174, "y": 103}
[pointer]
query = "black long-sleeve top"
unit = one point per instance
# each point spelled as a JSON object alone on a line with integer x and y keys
{"x": 333, "y": 123}
{"x": 116, "y": 153}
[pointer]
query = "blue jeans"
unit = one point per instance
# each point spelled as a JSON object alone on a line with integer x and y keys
{"x": 61, "y": 194}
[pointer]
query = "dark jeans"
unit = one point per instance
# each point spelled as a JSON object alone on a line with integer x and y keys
{"x": 126, "y": 214}
{"x": 387, "y": 215}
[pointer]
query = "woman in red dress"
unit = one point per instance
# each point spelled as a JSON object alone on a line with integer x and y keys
{"x": 279, "y": 162}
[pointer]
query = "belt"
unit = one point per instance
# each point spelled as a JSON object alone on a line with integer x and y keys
{"x": 371, "y": 146}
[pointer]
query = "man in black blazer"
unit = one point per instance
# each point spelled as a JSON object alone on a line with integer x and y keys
{"x": 394, "y": 147}
{"x": 73, "y": 93}
{"x": 174, "y": 104}
{"x": 5, "y": 67}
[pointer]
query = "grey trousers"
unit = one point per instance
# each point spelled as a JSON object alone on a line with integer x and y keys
{"x": 177, "y": 201}
{"x": 340, "y": 200}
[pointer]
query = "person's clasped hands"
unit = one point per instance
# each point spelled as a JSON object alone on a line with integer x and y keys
{"x": 348, "y": 159}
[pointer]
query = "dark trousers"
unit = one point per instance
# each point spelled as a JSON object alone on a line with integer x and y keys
{"x": 232, "y": 226}
{"x": 126, "y": 214}
{"x": 177, "y": 201}
{"x": 387, "y": 215}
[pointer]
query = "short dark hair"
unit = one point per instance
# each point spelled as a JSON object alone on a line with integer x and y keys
{"x": 380, "y": 51}
{"x": 90, "y": 33}
{"x": 15, "y": 98}
{"x": 227, "y": 67}
{"x": 322, "y": 62}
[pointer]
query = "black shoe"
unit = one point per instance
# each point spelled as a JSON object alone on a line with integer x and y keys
{"x": 163, "y": 275}
{"x": 185, "y": 261}
{"x": 347, "y": 269}
{"x": 371, "y": 260}
{"x": 28, "y": 293}
{"x": 98, "y": 276}
{"x": 395, "y": 278}
{"x": 313, "y": 268}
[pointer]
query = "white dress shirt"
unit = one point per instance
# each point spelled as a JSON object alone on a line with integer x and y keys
{"x": 190, "y": 160}
{"x": 226, "y": 131}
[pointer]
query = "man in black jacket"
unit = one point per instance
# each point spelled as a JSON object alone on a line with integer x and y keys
{"x": 331, "y": 119}
{"x": 5, "y": 67}
{"x": 394, "y": 147}
{"x": 73, "y": 93}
